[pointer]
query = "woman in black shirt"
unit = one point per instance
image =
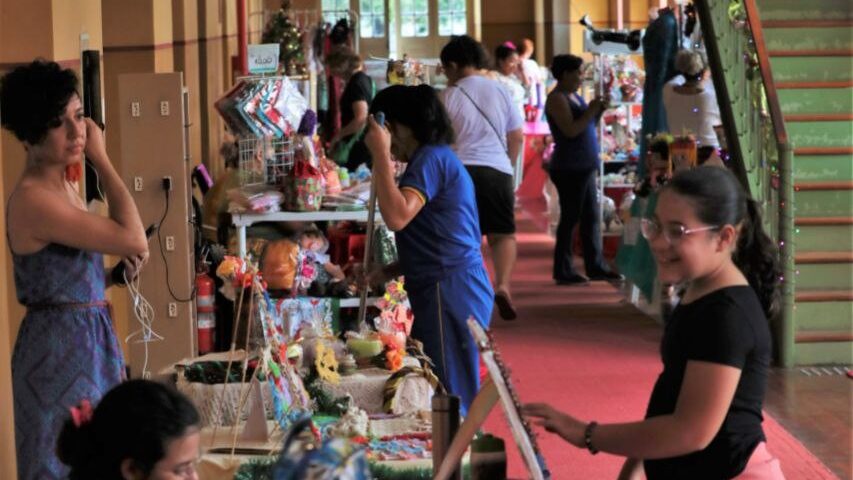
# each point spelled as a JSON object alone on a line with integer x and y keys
{"x": 354, "y": 105}
{"x": 704, "y": 415}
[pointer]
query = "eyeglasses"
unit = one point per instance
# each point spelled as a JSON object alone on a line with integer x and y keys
{"x": 673, "y": 233}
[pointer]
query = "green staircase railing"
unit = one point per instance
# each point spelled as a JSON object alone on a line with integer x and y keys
{"x": 757, "y": 141}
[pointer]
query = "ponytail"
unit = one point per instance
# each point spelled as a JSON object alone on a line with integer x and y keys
{"x": 757, "y": 257}
{"x": 75, "y": 449}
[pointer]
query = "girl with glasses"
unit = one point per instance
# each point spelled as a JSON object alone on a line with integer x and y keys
{"x": 704, "y": 416}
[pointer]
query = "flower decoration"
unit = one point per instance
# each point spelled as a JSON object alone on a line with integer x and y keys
{"x": 394, "y": 358}
{"x": 326, "y": 363}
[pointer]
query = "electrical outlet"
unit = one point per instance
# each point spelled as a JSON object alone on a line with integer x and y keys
{"x": 164, "y": 108}
{"x": 173, "y": 310}
{"x": 137, "y": 184}
{"x": 170, "y": 243}
{"x": 135, "y": 110}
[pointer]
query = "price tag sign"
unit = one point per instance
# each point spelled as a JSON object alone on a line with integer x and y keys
{"x": 263, "y": 58}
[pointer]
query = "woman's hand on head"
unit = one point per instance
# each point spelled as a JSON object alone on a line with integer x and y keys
{"x": 378, "y": 141}
{"x": 95, "y": 146}
{"x": 554, "y": 421}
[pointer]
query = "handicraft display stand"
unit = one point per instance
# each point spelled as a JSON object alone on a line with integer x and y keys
{"x": 497, "y": 388}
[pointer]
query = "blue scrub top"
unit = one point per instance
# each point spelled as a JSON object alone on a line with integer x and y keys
{"x": 444, "y": 237}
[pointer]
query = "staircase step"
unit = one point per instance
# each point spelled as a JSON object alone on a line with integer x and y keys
{"x": 823, "y": 203}
{"x": 821, "y": 134}
{"x": 823, "y": 186}
{"x": 823, "y": 151}
{"x": 823, "y": 337}
{"x": 804, "y": 39}
{"x": 820, "y": 24}
{"x": 806, "y": 257}
{"x": 815, "y": 84}
{"x": 825, "y": 276}
{"x": 818, "y": 117}
{"x": 812, "y": 69}
{"x": 834, "y": 353}
{"x": 819, "y": 52}
{"x": 805, "y": 10}
{"x": 819, "y": 168}
{"x": 816, "y": 100}
{"x": 836, "y": 298}
{"x": 823, "y": 237}
{"x": 824, "y": 221}
{"x": 823, "y": 320}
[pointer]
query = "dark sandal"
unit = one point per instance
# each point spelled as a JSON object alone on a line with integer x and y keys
{"x": 505, "y": 308}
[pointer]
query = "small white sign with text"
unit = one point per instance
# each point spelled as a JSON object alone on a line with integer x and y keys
{"x": 263, "y": 58}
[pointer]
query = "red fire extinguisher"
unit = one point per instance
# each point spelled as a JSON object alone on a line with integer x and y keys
{"x": 205, "y": 311}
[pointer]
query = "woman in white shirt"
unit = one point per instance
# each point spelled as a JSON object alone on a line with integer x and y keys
{"x": 692, "y": 106}
{"x": 489, "y": 138}
{"x": 508, "y": 73}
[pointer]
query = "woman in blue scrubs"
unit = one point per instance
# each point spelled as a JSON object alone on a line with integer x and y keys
{"x": 434, "y": 214}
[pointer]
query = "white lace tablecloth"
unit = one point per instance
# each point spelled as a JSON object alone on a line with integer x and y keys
{"x": 365, "y": 386}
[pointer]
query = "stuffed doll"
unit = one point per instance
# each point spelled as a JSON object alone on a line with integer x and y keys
{"x": 278, "y": 264}
{"x": 683, "y": 153}
{"x": 303, "y": 141}
{"x": 658, "y": 165}
{"x": 317, "y": 274}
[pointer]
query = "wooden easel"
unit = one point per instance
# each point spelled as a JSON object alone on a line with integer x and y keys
{"x": 496, "y": 387}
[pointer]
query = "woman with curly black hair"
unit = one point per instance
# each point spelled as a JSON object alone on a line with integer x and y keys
{"x": 66, "y": 349}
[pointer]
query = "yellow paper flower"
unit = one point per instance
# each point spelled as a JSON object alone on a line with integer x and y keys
{"x": 326, "y": 363}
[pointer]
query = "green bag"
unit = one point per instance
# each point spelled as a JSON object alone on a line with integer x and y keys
{"x": 343, "y": 148}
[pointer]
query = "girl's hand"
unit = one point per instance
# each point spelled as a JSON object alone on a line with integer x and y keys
{"x": 554, "y": 421}
{"x": 95, "y": 149}
{"x": 378, "y": 141}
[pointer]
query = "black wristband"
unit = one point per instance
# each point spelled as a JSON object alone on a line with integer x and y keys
{"x": 587, "y": 437}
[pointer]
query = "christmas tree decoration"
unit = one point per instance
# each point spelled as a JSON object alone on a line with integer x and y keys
{"x": 281, "y": 30}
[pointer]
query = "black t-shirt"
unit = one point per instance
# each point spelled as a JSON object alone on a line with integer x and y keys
{"x": 727, "y": 326}
{"x": 359, "y": 87}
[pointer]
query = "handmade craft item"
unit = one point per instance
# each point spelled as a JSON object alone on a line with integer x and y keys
{"x": 278, "y": 264}
{"x": 498, "y": 389}
{"x": 683, "y": 153}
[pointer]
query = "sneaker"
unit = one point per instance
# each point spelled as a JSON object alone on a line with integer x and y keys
{"x": 574, "y": 279}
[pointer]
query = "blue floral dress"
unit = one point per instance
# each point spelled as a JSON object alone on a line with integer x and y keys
{"x": 66, "y": 350}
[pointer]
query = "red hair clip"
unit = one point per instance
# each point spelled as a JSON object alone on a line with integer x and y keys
{"x": 81, "y": 414}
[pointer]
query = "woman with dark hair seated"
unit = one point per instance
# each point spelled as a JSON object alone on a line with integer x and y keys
{"x": 434, "y": 214}
{"x": 139, "y": 430}
{"x": 66, "y": 348}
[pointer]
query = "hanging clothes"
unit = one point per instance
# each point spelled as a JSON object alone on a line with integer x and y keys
{"x": 660, "y": 44}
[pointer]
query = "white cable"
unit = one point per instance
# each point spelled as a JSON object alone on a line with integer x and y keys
{"x": 98, "y": 186}
{"x": 144, "y": 313}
